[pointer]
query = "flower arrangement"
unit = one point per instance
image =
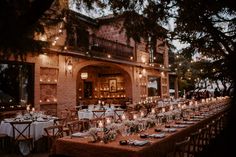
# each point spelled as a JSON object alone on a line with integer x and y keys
{"x": 93, "y": 132}
{"x": 109, "y": 135}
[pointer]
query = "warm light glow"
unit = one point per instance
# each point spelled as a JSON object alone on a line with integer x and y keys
{"x": 108, "y": 121}
{"x": 143, "y": 59}
{"x": 140, "y": 75}
{"x": 163, "y": 110}
{"x": 144, "y": 71}
{"x": 84, "y": 75}
{"x": 142, "y": 114}
{"x": 28, "y": 108}
{"x": 108, "y": 56}
{"x": 162, "y": 74}
{"x": 123, "y": 117}
{"x": 153, "y": 110}
{"x": 100, "y": 125}
{"x": 131, "y": 58}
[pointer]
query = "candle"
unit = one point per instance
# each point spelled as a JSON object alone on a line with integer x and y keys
{"x": 100, "y": 125}
{"x": 108, "y": 121}
{"x": 142, "y": 114}
{"x": 123, "y": 117}
{"x": 33, "y": 109}
{"x": 99, "y": 101}
{"x": 134, "y": 116}
{"x": 153, "y": 110}
{"x": 28, "y": 108}
{"x": 179, "y": 105}
{"x": 163, "y": 110}
{"x": 190, "y": 103}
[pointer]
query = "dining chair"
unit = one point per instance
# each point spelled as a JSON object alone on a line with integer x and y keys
{"x": 4, "y": 141}
{"x": 52, "y": 134}
{"x": 75, "y": 126}
{"x": 118, "y": 114}
{"x": 63, "y": 122}
{"x": 99, "y": 113}
{"x": 22, "y": 138}
{"x": 181, "y": 148}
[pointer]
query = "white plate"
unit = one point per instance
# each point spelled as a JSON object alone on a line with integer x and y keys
{"x": 79, "y": 134}
{"x": 140, "y": 143}
{"x": 161, "y": 135}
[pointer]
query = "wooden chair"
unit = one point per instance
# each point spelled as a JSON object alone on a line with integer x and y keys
{"x": 75, "y": 126}
{"x": 63, "y": 122}
{"x": 52, "y": 134}
{"x": 194, "y": 143}
{"x": 182, "y": 148}
{"x": 99, "y": 113}
{"x": 21, "y": 134}
{"x": 73, "y": 114}
{"x": 118, "y": 114}
{"x": 4, "y": 141}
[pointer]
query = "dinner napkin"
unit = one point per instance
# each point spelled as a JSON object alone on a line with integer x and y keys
{"x": 40, "y": 119}
{"x": 169, "y": 129}
{"x": 140, "y": 143}
{"x": 161, "y": 135}
{"x": 179, "y": 126}
{"x": 79, "y": 134}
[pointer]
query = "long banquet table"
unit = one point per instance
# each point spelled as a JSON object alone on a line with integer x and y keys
{"x": 157, "y": 147}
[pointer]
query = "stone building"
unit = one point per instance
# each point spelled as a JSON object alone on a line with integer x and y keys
{"x": 93, "y": 60}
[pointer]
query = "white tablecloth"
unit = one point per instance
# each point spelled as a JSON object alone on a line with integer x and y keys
{"x": 36, "y": 128}
{"x": 88, "y": 114}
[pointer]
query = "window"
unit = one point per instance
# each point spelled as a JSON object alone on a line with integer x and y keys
{"x": 153, "y": 86}
{"x": 16, "y": 85}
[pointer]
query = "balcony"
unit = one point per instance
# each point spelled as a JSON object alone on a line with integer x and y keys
{"x": 102, "y": 48}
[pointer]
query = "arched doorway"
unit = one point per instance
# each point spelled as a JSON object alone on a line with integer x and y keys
{"x": 108, "y": 83}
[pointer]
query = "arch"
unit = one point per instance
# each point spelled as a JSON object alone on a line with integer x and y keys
{"x": 125, "y": 72}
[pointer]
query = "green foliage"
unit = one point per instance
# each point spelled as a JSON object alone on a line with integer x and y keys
{"x": 19, "y": 22}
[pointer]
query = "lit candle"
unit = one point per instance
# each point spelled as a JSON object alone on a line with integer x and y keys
{"x": 153, "y": 110}
{"x": 190, "y": 103}
{"x": 108, "y": 121}
{"x": 100, "y": 125}
{"x": 28, "y": 108}
{"x": 163, "y": 110}
{"x": 99, "y": 101}
{"x": 134, "y": 116}
{"x": 142, "y": 114}
{"x": 33, "y": 109}
{"x": 179, "y": 105}
{"x": 203, "y": 100}
{"x": 123, "y": 117}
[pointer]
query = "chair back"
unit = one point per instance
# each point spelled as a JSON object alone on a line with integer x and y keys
{"x": 99, "y": 113}
{"x": 75, "y": 126}
{"x": 182, "y": 148}
{"x": 118, "y": 114}
{"x": 60, "y": 121}
{"x": 55, "y": 131}
{"x": 21, "y": 130}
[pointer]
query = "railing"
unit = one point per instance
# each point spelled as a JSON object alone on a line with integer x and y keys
{"x": 102, "y": 47}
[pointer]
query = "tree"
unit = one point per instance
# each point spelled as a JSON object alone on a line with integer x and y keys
{"x": 208, "y": 27}
{"x": 19, "y": 22}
